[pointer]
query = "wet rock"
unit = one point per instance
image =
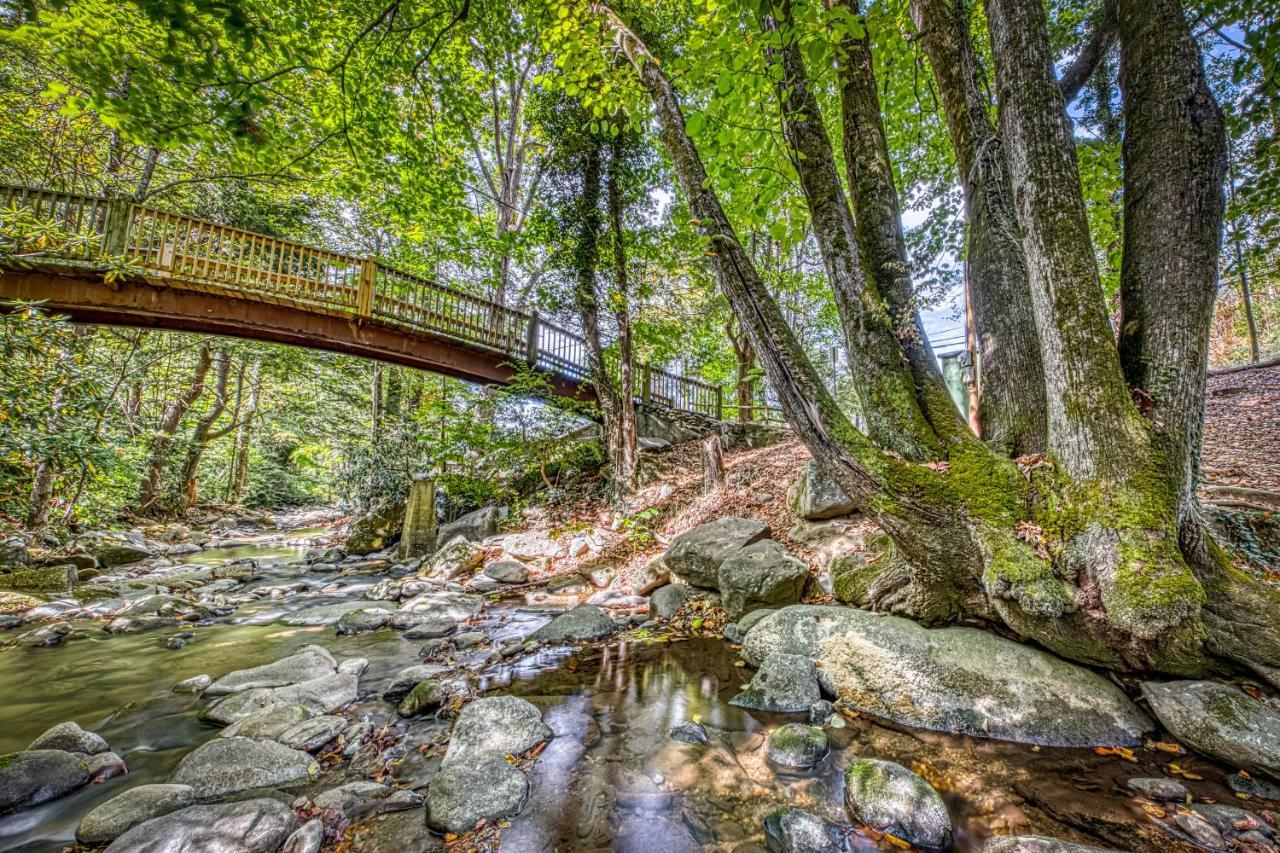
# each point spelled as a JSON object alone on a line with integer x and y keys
{"x": 441, "y": 604}
{"x": 137, "y": 805}
{"x": 790, "y": 830}
{"x": 363, "y": 620}
{"x": 814, "y": 496}
{"x": 822, "y": 713}
{"x": 1230, "y": 820}
{"x": 507, "y": 571}
{"x": 115, "y": 549}
{"x": 308, "y": 838}
{"x": 785, "y": 683}
{"x": 1200, "y": 831}
{"x": 496, "y": 726}
{"x": 467, "y": 639}
{"x": 44, "y": 636}
{"x": 310, "y": 735}
{"x": 690, "y": 732}
{"x": 472, "y": 527}
{"x": 321, "y": 695}
{"x": 224, "y": 766}
{"x": 409, "y": 677}
{"x": 797, "y": 745}
{"x": 1159, "y": 788}
{"x": 425, "y": 696}
{"x": 196, "y": 684}
{"x": 105, "y": 765}
{"x": 583, "y": 623}
{"x": 42, "y": 580}
{"x": 961, "y": 680}
{"x": 890, "y": 798}
{"x": 666, "y": 602}
{"x": 175, "y": 643}
{"x": 37, "y": 776}
{"x": 69, "y": 737}
{"x": 261, "y": 824}
{"x": 1219, "y": 720}
{"x": 353, "y": 666}
{"x": 456, "y": 558}
{"x": 1037, "y": 844}
{"x": 465, "y": 793}
{"x": 327, "y": 614}
{"x": 356, "y": 800}
{"x": 761, "y": 575}
{"x": 695, "y": 555}
{"x": 309, "y": 663}
{"x": 1253, "y": 787}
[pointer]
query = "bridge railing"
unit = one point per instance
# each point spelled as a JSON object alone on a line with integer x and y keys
{"x": 186, "y": 252}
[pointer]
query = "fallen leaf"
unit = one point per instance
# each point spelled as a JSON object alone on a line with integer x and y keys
{"x": 1118, "y": 751}
{"x": 1166, "y": 746}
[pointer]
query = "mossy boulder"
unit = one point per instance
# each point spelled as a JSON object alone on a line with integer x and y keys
{"x": 890, "y": 798}
{"x": 797, "y": 746}
{"x": 43, "y": 580}
{"x": 376, "y": 530}
{"x": 1219, "y": 720}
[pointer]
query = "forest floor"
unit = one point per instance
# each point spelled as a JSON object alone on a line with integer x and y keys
{"x": 1242, "y": 429}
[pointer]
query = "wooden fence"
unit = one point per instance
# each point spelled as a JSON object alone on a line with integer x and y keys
{"x": 184, "y": 252}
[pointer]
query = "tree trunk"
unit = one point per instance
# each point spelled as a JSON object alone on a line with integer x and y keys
{"x": 1012, "y": 408}
{"x": 712, "y": 464}
{"x": 201, "y": 435}
{"x": 626, "y": 463}
{"x": 745, "y": 357}
{"x": 375, "y": 401}
{"x": 1174, "y": 168}
{"x": 244, "y": 433}
{"x": 168, "y": 426}
{"x": 878, "y": 223}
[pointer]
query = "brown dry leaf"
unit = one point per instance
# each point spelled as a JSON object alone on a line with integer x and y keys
{"x": 897, "y": 842}
{"x": 1118, "y": 751}
{"x": 1166, "y": 746}
{"x": 1153, "y": 810}
{"x": 1252, "y": 691}
{"x": 1185, "y": 774}
{"x": 1244, "y": 774}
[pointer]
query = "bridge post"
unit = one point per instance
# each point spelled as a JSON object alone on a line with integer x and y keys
{"x": 646, "y": 389}
{"x": 115, "y": 233}
{"x": 368, "y": 277}
{"x": 719, "y": 403}
{"x": 531, "y": 341}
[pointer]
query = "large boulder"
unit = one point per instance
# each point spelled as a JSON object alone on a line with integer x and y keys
{"x": 223, "y": 767}
{"x": 457, "y": 557}
{"x": 584, "y": 623}
{"x": 1219, "y": 720}
{"x": 308, "y": 663}
{"x": 14, "y": 553}
{"x": 69, "y": 737}
{"x": 785, "y": 684}
{"x": 763, "y": 574}
{"x": 463, "y": 794}
{"x": 376, "y": 530}
{"x": 39, "y": 775}
{"x": 137, "y": 805}
{"x": 495, "y": 727}
{"x": 472, "y": 527}
{"x": 959, "y": 680}
{"x": 112, "y": 548}
{"x": 890, "y": 798}
{"x": 261, "y": 824}
{"x": 41, "y": 580}
{"x": 814, "y": 496}
{"x": 696, "y": 555}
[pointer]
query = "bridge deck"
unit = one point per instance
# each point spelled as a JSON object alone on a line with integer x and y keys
{"x": 119, "y": 263}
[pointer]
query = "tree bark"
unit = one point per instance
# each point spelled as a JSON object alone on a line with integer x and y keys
{"x": 1174, "y": 169}
{"x": 745, "y": 356}
{"x": 1012, "y": 408}
{"x": 244, "y": 433}
{"x": 626, "y": 463}
{"x": 162, "y": 439}
{"x": 1098, "y": 43}
{"x": 200, "y": 436}
{"x": 712, "y": 464}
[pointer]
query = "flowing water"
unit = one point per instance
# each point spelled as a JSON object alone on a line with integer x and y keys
{"x": 612, "y": 778}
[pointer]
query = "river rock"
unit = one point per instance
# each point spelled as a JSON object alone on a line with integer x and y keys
{"x": 814, "y": 496}
{"x": 464, "y": 793}
{"x": 1159, "y": 788}
{"x": 308, "y": 663}
{"x": 695, "y": 555}
{"x": 376, "y": 530}
{"x": 44, "y": 636}
{"x": 797, "y": 745}
{"x": 37, "y": 776}
{"x": 667, "y": 600}
{"x": 269, "y": 722}
{"x": 41, "y": 580}
{"x": 472, "y": 527}
{"x": 456, "y": 558}
{"x": 690, "y": 732}
{"x": 224, "y": 766}
{"x": 431, "y": 628}
{"x": 356, "y": 800}
{"x": 1253, "y": 787}
{"x": 321, "y": 695}
{"x": 789, "y": 830}
{"x": 890, "y": 798}
{"x": 761, "y": 575}
{"x": 363, "y": 620}
{"x": 308, "y": 838}
{"x": 960, "y": 680}
{"x": 496, "y": 726}
{"x": 1219, "y": 720}
{"x": 444, "y": 604}
{"x": 69, "y": 737}
{"x": 1038, "y": 844}
{"x": 408, "y": 678}
{"x": 116, "y": 549}
{"x": 785, "y": 683}
{"x": 425, "y": 696}
{"x": 584, "y": 623}
{"x": 328, "y": 614}
{"x": 507, "y": 571}
{"x": 310, "y": 735}
{"x": 14, "y": 553}
{"x": 258, "y": 825}
{"x": 137, "y": 805}
{"x": 105, "y": 765}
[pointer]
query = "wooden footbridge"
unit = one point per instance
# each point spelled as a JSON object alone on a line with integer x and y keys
{"x": 115, "y": 262}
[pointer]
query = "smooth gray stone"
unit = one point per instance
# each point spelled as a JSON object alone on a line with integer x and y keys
{"x": 37, "y": 776}
{"x": 248, "y": 825}
{"x": 695, "y": 555}
{"x": 496, "y": 726}
{"x": 137, "y": 805}
{"x": 1219, "y": 720}
{"x": 890, "y": 798}
{"x": 465, "y": 793}
{"x": 784, "y": 684}
{"x": 225, "y": 766}
{"x": 584, "y": 623}
{"x": 69, "y": 737}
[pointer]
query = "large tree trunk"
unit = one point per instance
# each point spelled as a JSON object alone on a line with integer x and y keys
{"x": 1011, "y": 409}
{"x": 1174, "y": 168}
{"x": 625, "y": 463}
{"x": 162, "y": 439}
{"x": 203, "y": 433}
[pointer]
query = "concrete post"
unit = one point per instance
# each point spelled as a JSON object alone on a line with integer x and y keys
{"x": 419, "y": 535}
